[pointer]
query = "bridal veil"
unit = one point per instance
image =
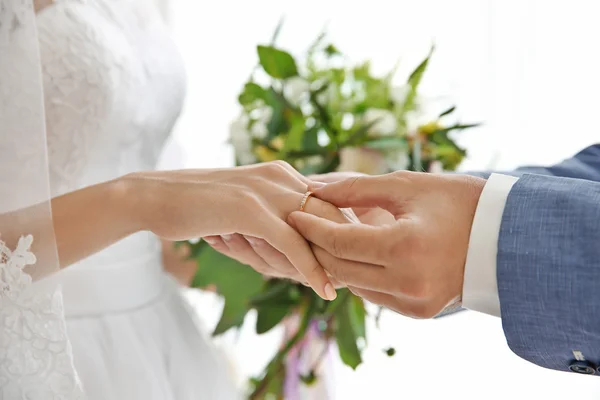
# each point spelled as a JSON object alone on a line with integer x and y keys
{"x": 35, "y": 355}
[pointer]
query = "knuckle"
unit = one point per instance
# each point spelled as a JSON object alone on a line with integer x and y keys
{"x": 281, "y": 163}
{"x": 276, "y": 167}
{"x": 402, "y": 176}
{"x": 314, "y": 269}
{"x": 338, "y": 247}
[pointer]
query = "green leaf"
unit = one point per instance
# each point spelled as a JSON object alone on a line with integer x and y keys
{"x": 440, "y": 136}
{"x": 319, "y": 39}
{"x": 363, "y": 71}
{"x": 274, "y": 303}
{"x": 277, "y": 124}
{"x": 390, "y": 75}
{"x": 237, "y": 283}
{"x": 460, "y": 127}
{"x": 377, "y": 93}
{"x": 387, "y": 143}
{"x": 310, "y": 140}
{"x": 331, "y": 50}
{"x": 331, "y": 163}
{"x": 378, "y": 316}
{"x": 346, "y": 337}
{"x": 269, "y": 315}
{"x": 323, "y": 116}
{"x": 360, "y": 134}
{"x": 413, "y": 82}
{"x": 296, "y": 133}
{"x": 358, "y": 315}
{"x": 448, "y": 111}
{"x": 251, "y": 93}
{"x": 277, "y": 63}
{"x": 277, "y": 30}
{"x": 273, "y": 290}
{"x": 415, "y": 76}
{"x": 390, "y": 351}
{"x": 337, "y": 75}
{"x": 320, "y": 89}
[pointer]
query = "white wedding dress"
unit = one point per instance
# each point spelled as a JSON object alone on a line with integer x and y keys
{"x": 113, "y": 88}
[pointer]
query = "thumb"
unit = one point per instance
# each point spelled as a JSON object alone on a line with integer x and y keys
{"x": 363, "y": 191}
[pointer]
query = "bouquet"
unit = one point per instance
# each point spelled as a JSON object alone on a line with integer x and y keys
{"x": 320, "y": 116}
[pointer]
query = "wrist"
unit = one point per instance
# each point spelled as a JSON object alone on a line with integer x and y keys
{"x": 129, "y": 197}
{"x": 472, "y": 189}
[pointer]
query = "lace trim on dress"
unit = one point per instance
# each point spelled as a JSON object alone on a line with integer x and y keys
{"x": 36, "y": 360}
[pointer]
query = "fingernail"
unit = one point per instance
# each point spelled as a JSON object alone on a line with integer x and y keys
{"x": 330, "y": 292}
{"x": 227, "y": 237}
{"x": 210, "y": 240}
{"x": 317, "y": 185}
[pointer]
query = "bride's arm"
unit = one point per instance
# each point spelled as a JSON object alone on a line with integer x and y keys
{"x": 91, "y": 219}
{"x": 180, "y": 205}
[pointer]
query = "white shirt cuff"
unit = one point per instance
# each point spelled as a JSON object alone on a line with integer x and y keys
{"x": 480, "y": 286}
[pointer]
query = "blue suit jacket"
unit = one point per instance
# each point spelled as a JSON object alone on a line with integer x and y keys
{"x": 548, "y": 263}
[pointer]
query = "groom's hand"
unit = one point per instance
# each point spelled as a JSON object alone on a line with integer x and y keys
{"x": 415, "y": 264}
{"x": 366, "y": 215}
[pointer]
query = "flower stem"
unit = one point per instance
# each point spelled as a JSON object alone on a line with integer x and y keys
{"x": 276, "y": 364}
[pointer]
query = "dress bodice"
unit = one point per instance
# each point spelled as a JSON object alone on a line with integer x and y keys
{"x": 114, "y": 85}
{"x": 115, "y": 325}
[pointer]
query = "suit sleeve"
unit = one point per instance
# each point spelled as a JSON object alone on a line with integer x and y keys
{"x": 548, "y": 263}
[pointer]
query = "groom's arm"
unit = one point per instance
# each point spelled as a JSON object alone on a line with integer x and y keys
{"x": 534, "y": 259}
{"x": 481, "y": 289}
{"x": 481, "y": 293}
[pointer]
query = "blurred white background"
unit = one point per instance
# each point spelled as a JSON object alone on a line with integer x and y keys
{"x": 527, "y": 69}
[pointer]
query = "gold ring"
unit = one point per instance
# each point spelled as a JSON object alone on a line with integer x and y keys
{"x": 305, "y": 200}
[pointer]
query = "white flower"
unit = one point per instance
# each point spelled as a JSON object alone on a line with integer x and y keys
{"x": 399, "y": 93}
{"x": 398, "y": 160}
{"x": 360, "y": 159}
{"x": 385, "y": 125}
{"x": 328, "y": 95}
{"x": 414, "y": 120}
{"x": 259, "y": 128}
{"x": 436, "y": 167}
{"x": 241, "y": 140}
{"x": 295, "y": 89}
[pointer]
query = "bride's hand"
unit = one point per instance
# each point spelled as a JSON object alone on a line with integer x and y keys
{"x": 266, "y": 259}
{"x": 252, "y": 200}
